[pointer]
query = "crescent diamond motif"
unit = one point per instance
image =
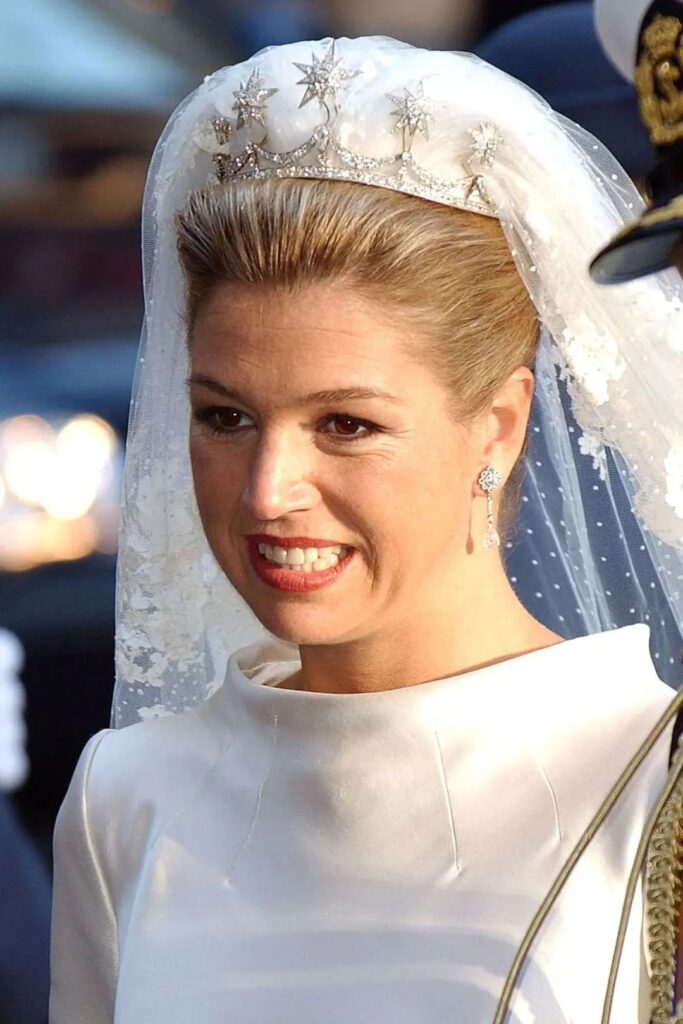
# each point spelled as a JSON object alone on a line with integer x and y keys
{"x": 223, "y": 129}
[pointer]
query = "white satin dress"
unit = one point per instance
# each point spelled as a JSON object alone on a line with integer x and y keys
{"x": 283, "y": 857}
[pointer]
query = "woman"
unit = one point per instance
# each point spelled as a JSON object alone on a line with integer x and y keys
{"x": 385, "y": 757}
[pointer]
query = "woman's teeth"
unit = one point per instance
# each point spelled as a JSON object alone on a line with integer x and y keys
{"x": 304, "y": 559}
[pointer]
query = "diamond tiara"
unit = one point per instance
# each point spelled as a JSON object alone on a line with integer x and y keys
{"x": 237, "y": 155}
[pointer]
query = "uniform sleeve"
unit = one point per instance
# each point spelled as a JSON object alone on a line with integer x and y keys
{"x": 84, "y": 947}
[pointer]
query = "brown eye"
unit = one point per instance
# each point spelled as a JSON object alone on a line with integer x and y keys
{"x": 214, "y": 419}
{"x": 227, "y": 417}
{"x": 350, "y": 424}
{"x": 222, "y": 421}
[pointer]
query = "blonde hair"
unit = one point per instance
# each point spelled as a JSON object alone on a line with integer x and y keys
{"x": 445, "y": 271}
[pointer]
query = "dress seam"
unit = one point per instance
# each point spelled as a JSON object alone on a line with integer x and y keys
{"x": 447, "y": 795}
{"x": 225, "y": 746}
{"x": 553, "y": 797}
{"x": 257, "y": 806}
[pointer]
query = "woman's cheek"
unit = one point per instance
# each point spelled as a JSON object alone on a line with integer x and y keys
{"x": 206, "y": 478}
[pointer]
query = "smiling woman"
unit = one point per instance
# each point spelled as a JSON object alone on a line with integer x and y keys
{"x": 288, "y": 468}
{"x": 443, "y": 277}
{"x": 407, "y": 294}
{"x": 348, "y": 765}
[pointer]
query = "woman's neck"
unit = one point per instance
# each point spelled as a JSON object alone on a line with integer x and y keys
{"x": 456, "y": 637}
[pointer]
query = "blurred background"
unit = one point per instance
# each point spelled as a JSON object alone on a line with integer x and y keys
{"x": 85, "y": 89}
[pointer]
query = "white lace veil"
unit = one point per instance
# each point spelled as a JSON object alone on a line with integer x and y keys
{"x": 599, "y": 540}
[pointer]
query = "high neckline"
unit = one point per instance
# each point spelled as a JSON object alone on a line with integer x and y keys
{"x": 268, "y": 662}
{"x": 253, "y": 673}
{"x": 407, "y": 776}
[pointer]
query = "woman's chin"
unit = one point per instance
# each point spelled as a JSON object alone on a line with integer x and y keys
{"x": 308, "y": 627}
{"x": 299, "y": 629}
{"x": 298, "y": 615}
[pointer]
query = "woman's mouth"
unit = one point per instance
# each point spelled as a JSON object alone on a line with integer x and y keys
{"x": 315, "y": 568}
{"x": 304, "y": 559}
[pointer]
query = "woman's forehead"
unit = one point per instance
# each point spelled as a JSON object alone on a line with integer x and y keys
{"x": 321, "y": 347}
{"x": 311, "y": 315}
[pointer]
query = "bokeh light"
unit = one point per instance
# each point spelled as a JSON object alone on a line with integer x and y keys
{"x": 59, "y": 498}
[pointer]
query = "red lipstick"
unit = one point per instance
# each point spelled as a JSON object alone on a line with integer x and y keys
{"x": 294, "y": 581}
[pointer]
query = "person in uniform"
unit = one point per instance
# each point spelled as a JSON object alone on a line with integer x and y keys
{"x": 577, "y": 79}
{"x": 645, "y": 43}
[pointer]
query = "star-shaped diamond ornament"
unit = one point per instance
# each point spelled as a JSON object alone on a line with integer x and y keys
{"x": 323, "y": 78}
{"x": 251, "y": 101}
{"x": 485, "y": 141}
{"x": 413, "y": 112}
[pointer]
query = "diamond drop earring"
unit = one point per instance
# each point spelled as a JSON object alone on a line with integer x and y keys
{"x": 489, "y": 479}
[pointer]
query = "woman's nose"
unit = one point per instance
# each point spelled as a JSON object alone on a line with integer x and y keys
{"x": 280, "y": 477}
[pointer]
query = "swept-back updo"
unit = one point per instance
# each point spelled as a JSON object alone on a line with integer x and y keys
{"x": 444, "y": 273}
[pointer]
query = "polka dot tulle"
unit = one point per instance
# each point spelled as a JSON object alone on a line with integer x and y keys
{"x": 591, "y": 567}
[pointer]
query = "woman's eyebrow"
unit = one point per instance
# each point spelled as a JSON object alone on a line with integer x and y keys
{"x": 328, "y": 395}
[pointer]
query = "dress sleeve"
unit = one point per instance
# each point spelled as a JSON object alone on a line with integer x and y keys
{"x": 84, "y": 946}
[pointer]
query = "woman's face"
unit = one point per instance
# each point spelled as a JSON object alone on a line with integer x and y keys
{"x": 272, "y": 461}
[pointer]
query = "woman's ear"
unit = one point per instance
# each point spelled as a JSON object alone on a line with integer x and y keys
{"x": 505, "y": 425}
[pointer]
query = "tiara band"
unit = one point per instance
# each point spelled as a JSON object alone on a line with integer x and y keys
{"x": 323, "y": 156}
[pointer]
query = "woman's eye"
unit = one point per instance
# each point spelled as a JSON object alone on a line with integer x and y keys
{"x": 368, "y": 428}
{"x": 210, "y": 418}
{"x": 223, "y": 421}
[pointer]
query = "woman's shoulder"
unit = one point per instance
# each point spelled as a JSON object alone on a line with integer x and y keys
{"x": 609, "y": 676}
{"x": 128, "y": 782}
{"x": 611, "y": 705}
{"x": 125, "y": 752}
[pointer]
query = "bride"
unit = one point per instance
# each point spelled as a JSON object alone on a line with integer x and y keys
{"x": 398, "y": 591}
